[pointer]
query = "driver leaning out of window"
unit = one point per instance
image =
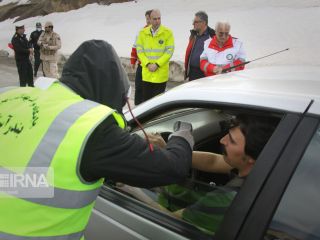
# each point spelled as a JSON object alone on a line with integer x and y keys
{"x": 245, "y": 139}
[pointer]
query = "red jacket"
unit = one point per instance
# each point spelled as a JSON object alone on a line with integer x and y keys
{"x": 10, "y": 46}
{"x": 230, "y": 54}
{"x": 134, "y": 56}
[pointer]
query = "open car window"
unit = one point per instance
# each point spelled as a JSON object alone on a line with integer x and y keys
{"x": 205, "y": 122}
{"x": 203, "y": 199}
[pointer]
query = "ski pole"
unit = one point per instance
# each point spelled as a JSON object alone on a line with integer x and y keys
{"x": 245, "y": 63}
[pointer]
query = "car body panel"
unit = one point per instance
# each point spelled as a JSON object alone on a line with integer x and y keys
{"x": 111, "y": 221}
{"x": 282, "y": 88}
{"x": 315, "y": 108}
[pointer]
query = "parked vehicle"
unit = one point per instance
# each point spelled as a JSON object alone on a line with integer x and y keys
{"x": 280, "y": 197}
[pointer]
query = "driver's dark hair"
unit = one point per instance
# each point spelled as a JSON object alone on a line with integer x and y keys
{"x": 257, "y": 130}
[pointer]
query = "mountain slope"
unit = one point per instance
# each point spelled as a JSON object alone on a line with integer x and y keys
{"x": 41, "y": 8}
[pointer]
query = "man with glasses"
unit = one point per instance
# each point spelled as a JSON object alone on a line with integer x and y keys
{"x": 49, "y": 43}
{"x": 222, "y": 52}
{"x": 199, "y": 34}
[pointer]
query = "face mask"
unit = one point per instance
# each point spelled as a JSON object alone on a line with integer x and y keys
{"x": 39, "y": 29}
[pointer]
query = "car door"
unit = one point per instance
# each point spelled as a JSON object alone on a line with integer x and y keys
{"x": 121, "y": 217}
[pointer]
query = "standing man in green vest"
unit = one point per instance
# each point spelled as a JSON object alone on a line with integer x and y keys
{"x": 155, "y": 46}
{"x": 72, "y": 132}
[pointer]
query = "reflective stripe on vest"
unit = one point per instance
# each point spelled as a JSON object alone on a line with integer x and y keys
{"x": 65, "y": 237}
{"x": 57, "y": 142}
{"x": 155, "y": 49}
{"x": 45, "y": 151}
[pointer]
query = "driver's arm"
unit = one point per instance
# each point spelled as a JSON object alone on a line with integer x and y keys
{"x": 209, "y": 162}
{"x": 203, "y": 161}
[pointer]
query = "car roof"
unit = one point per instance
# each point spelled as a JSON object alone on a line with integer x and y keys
{"x": 287, "y": 88}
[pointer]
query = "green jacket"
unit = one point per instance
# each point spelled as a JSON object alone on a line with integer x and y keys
{"x": 175, "y": 197}
{"x": 208, "y": 212}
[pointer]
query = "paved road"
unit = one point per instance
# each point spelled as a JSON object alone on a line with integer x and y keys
{"x": 8, "y": 72}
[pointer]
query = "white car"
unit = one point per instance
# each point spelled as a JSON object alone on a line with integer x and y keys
{"x": 280, "y": 197}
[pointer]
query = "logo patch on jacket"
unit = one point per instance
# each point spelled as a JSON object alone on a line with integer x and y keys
{"x": 229, "y": 56}
{"x": 161, "y": 41}
{"x": 9, "y": 123}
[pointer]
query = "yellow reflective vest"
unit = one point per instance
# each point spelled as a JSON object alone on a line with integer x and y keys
{"x": 48, "y": 129}
{"x": 155, "y": 49}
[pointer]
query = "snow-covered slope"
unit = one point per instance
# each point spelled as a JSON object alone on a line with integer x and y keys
{"x": 264, "y": 26}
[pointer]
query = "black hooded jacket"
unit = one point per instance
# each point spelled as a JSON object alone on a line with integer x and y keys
{"x": 94, "y": 71}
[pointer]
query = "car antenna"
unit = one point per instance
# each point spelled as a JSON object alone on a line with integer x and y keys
{"x": 140, "y": 126}
{"x": 245, "y": 63}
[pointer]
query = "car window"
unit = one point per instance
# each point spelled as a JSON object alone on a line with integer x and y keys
{"x": 192, "y": 201}
{"x": 297, "y": 216}
{"x": 205, "y": 122}
{"x": 203, "y": 199}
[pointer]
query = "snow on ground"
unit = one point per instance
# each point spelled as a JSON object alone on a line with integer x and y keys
{"x": 264, "y": 26}
{"x": 4, "y": 2}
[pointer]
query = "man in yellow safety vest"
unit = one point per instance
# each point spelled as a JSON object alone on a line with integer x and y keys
{"x": 155, "y": 46}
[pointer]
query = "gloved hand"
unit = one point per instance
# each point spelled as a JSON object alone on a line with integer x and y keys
{"x": 184, "y": 130}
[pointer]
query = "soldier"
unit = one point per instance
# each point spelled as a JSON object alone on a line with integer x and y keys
{"x": 49, "y": 43}
{"x": 22, "y": 52}
{"x": 34, "y": 37}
